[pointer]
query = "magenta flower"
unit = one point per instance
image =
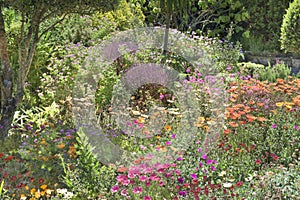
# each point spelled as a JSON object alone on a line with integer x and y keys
{"x": 182, "y": 193}
{"x": 213, "y": 168}
{"x": 115, "y": 188}
{"x": 179, "y": 159}
{"x": 147, "y": 198}
{"x": 126, "y": 182}
{"x": 161, "y": 183}
{"x": 168, "y": 143}
{"x": 200, "y": 164}
{"x": 204, "y": 157}
{"x": 194, "y": 176}
{"x": 209, "y": 162}
{"x": 274, "y": 126}
{"x": 143, "y": 178}
{"x": 173, "y": 136}
{"x": 137, "y": 190}
{"x": 296, "y": 127}
{"x": 124, "y": 192}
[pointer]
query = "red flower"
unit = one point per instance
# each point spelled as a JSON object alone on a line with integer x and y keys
{"x": 8, "y": 158}
{"x": 258, "y": 161}
{"x": 1, "y": 155}
{"x": 206, "y": 191}
{"x": 240, "y": 183}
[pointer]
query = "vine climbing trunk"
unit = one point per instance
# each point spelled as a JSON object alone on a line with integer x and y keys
{"x": 7, "y": 103}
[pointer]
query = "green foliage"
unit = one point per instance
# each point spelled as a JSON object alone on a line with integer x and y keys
{"x": 266, "y": 73}
{"x": 224, "y": 18}
{"x": 89, "y": 179}
{"x": 263, "y": 24}
{"x": 290, "y": 29}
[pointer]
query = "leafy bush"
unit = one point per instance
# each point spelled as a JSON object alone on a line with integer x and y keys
{"x": 265, "y": 73}
{"x": 263, "y": 24}
{"x": 290, "y": 29}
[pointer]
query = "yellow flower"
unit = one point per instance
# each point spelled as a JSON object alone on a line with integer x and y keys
{"x": 33, "y": 190}
{"x": 43, "y": 187}
{"x": 23, "y": 197}
{"x": 279, "y": 104}
{"x": 26, "y": 187}
{"x": 37, "y": 194}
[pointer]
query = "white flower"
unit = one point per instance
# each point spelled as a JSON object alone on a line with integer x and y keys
{"x": 227, "y": 185}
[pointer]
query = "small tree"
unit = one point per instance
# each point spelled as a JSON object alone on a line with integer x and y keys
{"x": 290, "y": 29}
{"x": 33, "y": 13}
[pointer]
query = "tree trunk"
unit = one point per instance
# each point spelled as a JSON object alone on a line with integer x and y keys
{"x": 166, "y": 36}
{"x": 7, "y": 107}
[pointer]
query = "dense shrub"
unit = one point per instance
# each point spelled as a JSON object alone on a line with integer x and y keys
{"x": 290, "y": 29}
{"x": 263, "y": 24}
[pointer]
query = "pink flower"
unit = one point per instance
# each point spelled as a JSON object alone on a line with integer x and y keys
{"x": 161, "y": 96}
{"x": 121, "y": 177}
{"x": 147, "y": 198}
{"x": 115, "y": 188}
{"x": 126, "y": 182}
{"x": 168, "y": 143}
{"x": 161, "y": 183}
{"x": 143, "y": 178}
{"x": 204, "y": 157}
{"x": 173, "y": 136}
{"x": 137, "y": 190}
{"x": 213, "y": 168}
{"x": 124, "y": 192}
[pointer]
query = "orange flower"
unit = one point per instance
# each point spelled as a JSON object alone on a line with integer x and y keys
{"x": 296, "y": 100}
{"x": 227, "y": 131}
{"x": 122, "y": 169}
{"x": 233, "y": 124}
{"x": 235, "y": 115}
{"x": 260, "y": 104}
{"x": 242, "y": 122}
{"x": 250, "y": 118}
{"x": 141, "y": 120}
{"x": 61, "y": 146}
{"x": 261, "y": 119}
{"x": 168, "y": 128}
{"x": 43, "y": 187}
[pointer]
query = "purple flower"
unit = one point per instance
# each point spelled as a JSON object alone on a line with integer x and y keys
{"x": 168, "y": 143}
{"x": 182, "y": 193}
{"x": 173, "y": 136}
{"x": 213, "y": 168}
{"x": 274, "y": 126}
{"x": 204, "y": 157}
{"x": 180, "y": 180}
{"x": 296, "y": 127}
